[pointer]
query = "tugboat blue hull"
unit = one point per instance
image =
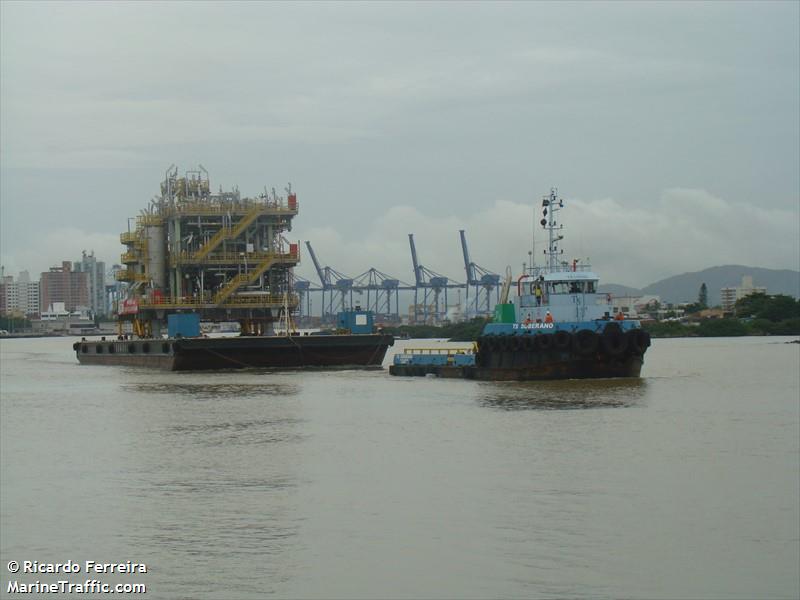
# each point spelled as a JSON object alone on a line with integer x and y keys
{"x": 584, "y": 354}
{"x": 564, "y": 367}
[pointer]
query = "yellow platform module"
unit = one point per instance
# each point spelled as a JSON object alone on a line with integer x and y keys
{"x": 219, "y": 254}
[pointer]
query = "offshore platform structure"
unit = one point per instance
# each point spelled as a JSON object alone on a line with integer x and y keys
{"x": 217, "y": 255}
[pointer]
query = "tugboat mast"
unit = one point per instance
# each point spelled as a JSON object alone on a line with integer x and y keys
{"x": 550, "y": 205}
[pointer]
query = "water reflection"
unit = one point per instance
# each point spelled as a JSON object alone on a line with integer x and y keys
{"x": 207, "y": 391}
{"x": 574, "y": 394}
{"x": 261, "y": 431}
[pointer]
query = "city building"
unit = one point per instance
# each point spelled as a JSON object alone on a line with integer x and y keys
{"x": 635, "y": 307}
{"x": 96, "y": 270}
{"x": 58, "y": 319}
{"x": 729, "y": 295}
{"x": 20, "y": 297}
{"x": 62, "y": 284}
{"x": 5, "y": 281}
{"x": 115, "y": 291}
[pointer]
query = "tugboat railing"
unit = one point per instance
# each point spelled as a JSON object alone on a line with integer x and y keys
{"x": 466, "y": 350}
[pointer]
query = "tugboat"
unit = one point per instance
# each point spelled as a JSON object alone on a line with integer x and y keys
{"x": 557, "y": 327}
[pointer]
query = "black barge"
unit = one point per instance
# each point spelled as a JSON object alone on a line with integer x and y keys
{"x": 201, "y": 353}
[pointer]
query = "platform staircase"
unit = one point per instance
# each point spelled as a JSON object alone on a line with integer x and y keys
{"x": 250, "y": 277}
{"x": 226, "y": 233}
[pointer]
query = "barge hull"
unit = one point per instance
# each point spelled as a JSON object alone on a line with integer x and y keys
{"x": 197, "y": 354}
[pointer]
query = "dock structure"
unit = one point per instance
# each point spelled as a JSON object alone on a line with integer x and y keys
{"x": 336, "y": 287}
{"x": 382, "y": 294}
{"x": 483, "y": 282}
{"x": 216, "y": 254}
{"x": 432, "y": 287}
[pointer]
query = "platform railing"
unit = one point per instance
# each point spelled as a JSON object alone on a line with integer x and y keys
{"x": 224, "y": 208}
{"x": 207, "y": 301}
{"x": 231, "y": 258}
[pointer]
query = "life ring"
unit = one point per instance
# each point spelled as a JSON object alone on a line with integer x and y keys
{"x": 544, "y": 341}
{"x": 638, "y": 340}
{"x": 585, "y": 342}
{"x": 562, "y": 340}
{"x": 614, "y": 341}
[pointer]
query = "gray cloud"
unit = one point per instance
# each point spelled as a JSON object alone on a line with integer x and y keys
{"x": 458, "y": 114}
{"x": 687, "y": 230}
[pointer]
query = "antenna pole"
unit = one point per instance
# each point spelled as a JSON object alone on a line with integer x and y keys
{"x": 551, "y": 204}
{"x": 532, "y": 265}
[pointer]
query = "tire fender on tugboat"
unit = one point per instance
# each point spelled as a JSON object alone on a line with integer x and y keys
{"x": 638, "y": 340}
{"x": 614, "y": 341}
{"x": 545, "y": 341}
{"x": 530, "y": 343}
{"x": 562, "y": 340}
{"x": 586, "y": 342}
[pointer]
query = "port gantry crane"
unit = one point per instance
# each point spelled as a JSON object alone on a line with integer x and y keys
{"x": 481, "y": 280}
{"x": 380, "y": 288}
{"x": 339, "y": 288}
{"x": 302, "y": 287}
{"x": 432, "y": 285}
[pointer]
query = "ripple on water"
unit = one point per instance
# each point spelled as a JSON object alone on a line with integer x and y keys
{"x": 565, "y": 395}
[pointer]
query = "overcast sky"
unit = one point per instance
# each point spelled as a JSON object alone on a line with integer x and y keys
{"x": 671, "y": 130}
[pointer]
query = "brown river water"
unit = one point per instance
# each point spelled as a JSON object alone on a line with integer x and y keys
{"x": 354, "y": 484}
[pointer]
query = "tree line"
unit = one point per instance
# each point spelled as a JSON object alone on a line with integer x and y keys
{"x": 756, "y": 314}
